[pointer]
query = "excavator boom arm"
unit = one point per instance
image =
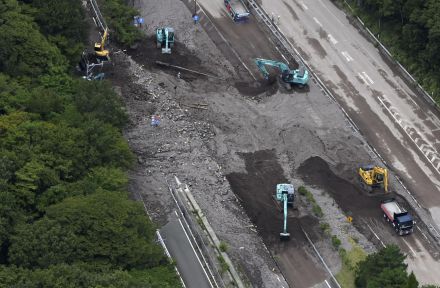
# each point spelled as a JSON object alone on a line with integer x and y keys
{"x": 285, "y": 212}
{"x": 261, "y": 63}
{"x": 104, "y": 38}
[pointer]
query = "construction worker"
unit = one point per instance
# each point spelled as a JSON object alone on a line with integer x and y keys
{"x": 155, "y": 120}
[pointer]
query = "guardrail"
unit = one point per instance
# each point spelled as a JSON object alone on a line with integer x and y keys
{"x": 382, "y": 49}
{"x": 99, "y": 19}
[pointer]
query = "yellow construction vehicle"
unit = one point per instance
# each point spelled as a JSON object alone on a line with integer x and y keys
{"x": 100, "y": 50}
{"x": 374, "y": 177}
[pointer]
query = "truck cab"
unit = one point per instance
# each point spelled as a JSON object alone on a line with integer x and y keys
{"x": 237, "y": 9}
{"x": 404, "y": 223}
{"x": 401, "y": 220}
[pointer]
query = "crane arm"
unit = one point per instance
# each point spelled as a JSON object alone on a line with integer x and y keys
{"x": 261, "y": 63}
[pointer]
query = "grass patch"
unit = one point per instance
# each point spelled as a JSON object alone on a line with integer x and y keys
{"x": 309, "y": 196}
{"x": 349, "y": 261}
{"x": 325, "y": 227}
{"x": 336, "y": 242}
{"x": 223, "y": 246}
{"x": 223, "y": 265}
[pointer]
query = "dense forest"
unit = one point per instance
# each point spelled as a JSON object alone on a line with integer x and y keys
{"x": 65, "y": 216}
{"x": 411, "y": 31}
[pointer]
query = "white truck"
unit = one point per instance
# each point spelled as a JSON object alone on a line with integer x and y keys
{"x": 400, "y": 219}
{"x": 237, "y": 9}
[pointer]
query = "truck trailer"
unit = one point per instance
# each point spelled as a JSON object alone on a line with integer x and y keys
{"x": 237, "y": 9}
{"x": 400, "y": 219}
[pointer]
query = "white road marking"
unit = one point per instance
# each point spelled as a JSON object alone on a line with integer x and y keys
{"x": 317, "y": 21}
{"x": 328, "y": 285}
{"x": 194, "y": 250}
{"x": 304, "y": 5}
{"x": 368, "y": 78}
{"x": 407, "y": 244}
{"x": 332, "y": 39}
{"x": 347, "y": 56}
{"x": 376, "y": 236}
{"x": 363, "y": 78}
{"x": 413, "y": 138}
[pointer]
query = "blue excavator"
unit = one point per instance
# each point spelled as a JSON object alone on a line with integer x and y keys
{"x": 299, "y": 77}
{"x": 285, "y": 194}
{"x": 165, "y": 39}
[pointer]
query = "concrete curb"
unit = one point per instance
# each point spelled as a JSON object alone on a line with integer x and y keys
{"x": 213, "y": 237}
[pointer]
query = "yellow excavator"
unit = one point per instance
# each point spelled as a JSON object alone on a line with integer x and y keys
{"x": 100, "y": 50}
{"x": 374, "y": 177}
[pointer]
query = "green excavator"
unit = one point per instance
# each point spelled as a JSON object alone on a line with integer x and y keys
{"x": 165, "y": 39}
{"x": 285, "y": 194}
{"x": 299, "y": 77}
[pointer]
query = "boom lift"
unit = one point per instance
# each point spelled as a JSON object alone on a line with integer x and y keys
{"x": 299, "y": 76}
{"x": 100, "y": 50}
{"x": 285, "y": 194}
{"x": 165, "y": 37}
{"x": 374, "y": 177}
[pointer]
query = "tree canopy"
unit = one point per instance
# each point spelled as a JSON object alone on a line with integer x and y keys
{"x": 65, "y": 216}
{"x": 411, "y": 29}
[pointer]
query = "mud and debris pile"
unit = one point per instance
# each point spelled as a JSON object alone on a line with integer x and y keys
{"x": 232, "y": 150}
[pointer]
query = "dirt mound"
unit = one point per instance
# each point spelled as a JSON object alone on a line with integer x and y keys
{"x": 256, "y": 189}
{"x": 353, "y": 201}
{"x": 146, "y": 53}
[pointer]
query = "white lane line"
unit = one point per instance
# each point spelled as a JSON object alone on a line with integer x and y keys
{"x": 347, "y": 56}
{"x": 363, "y": 78}
{"x": 317, "y": 21}
{"x": 407, "y": 244}
{"x": 376, "y": 235}
{"x": 304, "y": 5}
{"x": 332, "y": 39}
{"x": 404, "y": 127}
{"x": 200, "y": 262}
{"x": 368, "y": 77}
{"x": 328, "y": 285}
{"x": 335, "y": 17}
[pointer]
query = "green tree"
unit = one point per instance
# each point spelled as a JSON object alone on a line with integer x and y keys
{"x": 23, "y": 50}
{"x": 120, "y": 18}
{"x": 104, "y": 227}
{"x": 103, "y": 103}
{"x": 412, "y": 281}
{"x": 385, "y": 268}
{"x": 64, "y": 23}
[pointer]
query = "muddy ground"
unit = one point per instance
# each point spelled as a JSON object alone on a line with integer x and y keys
{"x": 232, "y": 150}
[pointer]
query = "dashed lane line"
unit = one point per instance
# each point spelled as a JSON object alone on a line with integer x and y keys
{"x": 425, "y": 149}
{"x": 304, "y": 5}
{"x": 317, "y": 21}
{"x": 409, "y": 246}
{"x": 347, "y": 56}
{"x": 333, "y": 40}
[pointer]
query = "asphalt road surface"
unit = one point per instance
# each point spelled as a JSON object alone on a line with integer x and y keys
{"x": 181, "y": 249}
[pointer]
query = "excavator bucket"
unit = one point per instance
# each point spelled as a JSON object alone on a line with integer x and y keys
{"x": 284, "y": 236}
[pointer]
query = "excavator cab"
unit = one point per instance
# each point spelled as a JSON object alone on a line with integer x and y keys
{"x": 100, "y": 50}
{"x": 374, "y": 177}
{"x": 165, "y": 39}
{"x": 285, "y": 194}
